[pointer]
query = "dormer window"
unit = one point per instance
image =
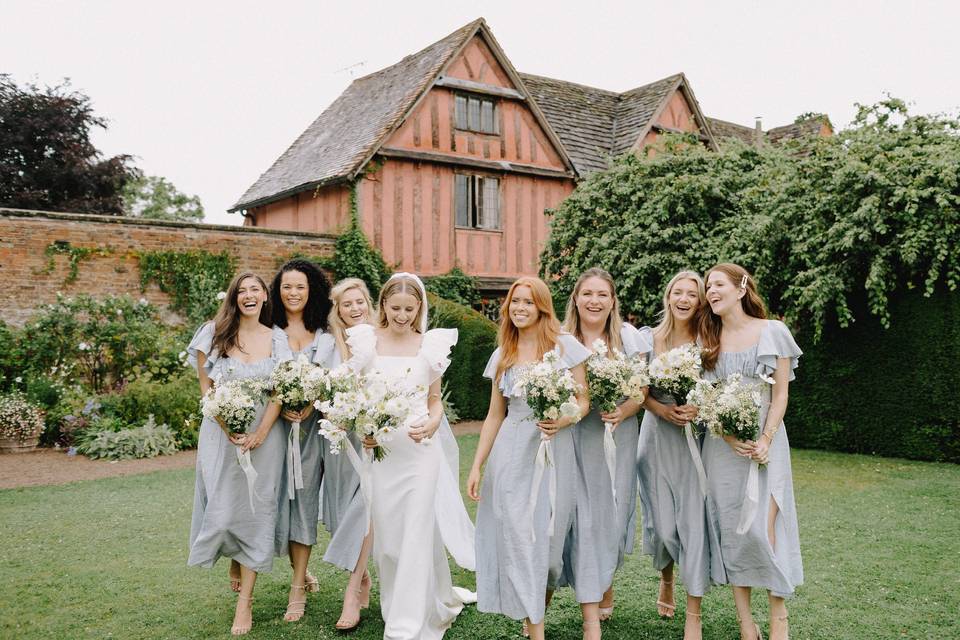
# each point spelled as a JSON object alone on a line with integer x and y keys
{"x": 477, "y": 113}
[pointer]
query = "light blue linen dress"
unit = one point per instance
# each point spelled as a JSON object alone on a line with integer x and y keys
{"x": 603, "y": 529}
{"x": 343, "y": 510}
{"x": 224, "y": 523}
{"x": 305, "y": 507}
{"x": 748, "y": 560}
{"x": 513, "y": 570}
{"x": 674, "y": 507}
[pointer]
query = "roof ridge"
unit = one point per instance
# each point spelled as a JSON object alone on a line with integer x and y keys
{"x": 576, "y": 84}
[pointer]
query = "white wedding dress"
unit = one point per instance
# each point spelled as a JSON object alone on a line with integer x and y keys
{"x": 416, "y": 506}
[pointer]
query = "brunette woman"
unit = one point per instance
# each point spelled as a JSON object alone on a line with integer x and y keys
{"x": 235, "y": 508}
{"x": 299, "y": 297}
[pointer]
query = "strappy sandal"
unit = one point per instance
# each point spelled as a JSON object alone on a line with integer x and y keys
{"x": 755, "y": 626}
{"x": 661, "y": 605}
{"x": 589, "y": 624}
{"x": 606, "y": 612}
{"x": 699, "y": 618}
{"x": 242, "y": 630}
{"x": 351, "y": 625}
{"x": 524, "y": 629}
{"x": 311, "y": 584}
{"x": 781, "y": 619}
{"x": 296, "y": 608}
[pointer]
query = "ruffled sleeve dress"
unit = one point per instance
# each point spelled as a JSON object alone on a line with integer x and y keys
{"x": 517, "y": 557}
{"x": 748, "y": 559}
{"x": 234, "y": 514}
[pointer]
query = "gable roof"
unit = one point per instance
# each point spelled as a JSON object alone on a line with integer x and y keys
{"x": 595, "y": 124}
{"x": 339, "y": 143}
{"x": 724, "y": 129}
{"x": 808, "y": 128}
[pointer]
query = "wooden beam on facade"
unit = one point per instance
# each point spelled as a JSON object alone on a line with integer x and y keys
{"x": 479, "y": 87}
{"x": 501, "y": 166}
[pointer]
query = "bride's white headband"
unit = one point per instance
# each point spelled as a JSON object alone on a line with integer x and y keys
{"x": 423, "y": 295}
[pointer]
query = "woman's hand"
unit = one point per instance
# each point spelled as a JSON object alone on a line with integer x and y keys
{"x": 674, "y": 414}
{"x": 370, "y": 443}
{"x": 422, "y": 430}
{"x": 549, "y": 428}
{"x": 473, "y": 484}
{"x": 236, "y": 438}
{"x": 614, "y": 417}
{"x": 298, "y": 416}
{"x": 741, "y": 447}
{"x": 761, "y": 450}
{"x": 253, "y": 440}
{"x": 689, "y": 411}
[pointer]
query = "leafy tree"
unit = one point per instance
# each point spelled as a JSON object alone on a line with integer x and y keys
{"x": 456, "y": 286}
{"x": 47, "y": 160}
{"x": 821, "y": 222}
{"x": 355, "y": 257}
{"x": 156, "y": 198}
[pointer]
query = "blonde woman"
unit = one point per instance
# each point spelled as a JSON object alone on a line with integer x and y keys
{"x": 673, "y": 502}
{"x": 342, "y": 503}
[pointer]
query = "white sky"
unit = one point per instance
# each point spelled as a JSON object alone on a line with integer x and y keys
{"x": 209, "y": 93}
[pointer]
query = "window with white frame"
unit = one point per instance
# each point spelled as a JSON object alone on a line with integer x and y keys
{"x": 476, "y": 113}
{"x": 477, "y": 201}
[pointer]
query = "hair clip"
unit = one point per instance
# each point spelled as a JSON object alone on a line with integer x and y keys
{"x": 743, "y": 281}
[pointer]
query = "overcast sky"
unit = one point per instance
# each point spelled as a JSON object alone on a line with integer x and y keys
{"x": 209, "y": 93}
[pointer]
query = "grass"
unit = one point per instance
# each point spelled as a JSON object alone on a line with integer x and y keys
{"x": 107, "y": 559}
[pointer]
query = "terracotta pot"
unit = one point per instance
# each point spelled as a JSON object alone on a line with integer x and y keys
{"x": 13, "y": 445}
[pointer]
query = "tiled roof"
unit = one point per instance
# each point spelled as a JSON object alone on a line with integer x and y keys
{"x": 596, "y": 124}
{"x": 809, "y": 128}
{"x": 338, "y": 142}
{"x": 723, "y": 129}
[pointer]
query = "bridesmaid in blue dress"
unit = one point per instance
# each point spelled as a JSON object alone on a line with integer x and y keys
{"x": 674, "y": 505}
{"x": 514, "y": 544}
{"x": 602, "y": 531}
{"x": 344, "y": 512}
{"x": 299, "y": 297}
{"x": 235, "y": 512}
{"x": 753, "y": 526}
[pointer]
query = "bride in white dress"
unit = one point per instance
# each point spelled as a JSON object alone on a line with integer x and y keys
{"x": 415, "y": 503}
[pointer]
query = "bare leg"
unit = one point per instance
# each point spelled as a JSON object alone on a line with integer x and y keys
{"x": 591, "y": 620}
{"x": 666, "y": 605}
{"x": 357, "y": 594}
{"x": 243, "y": 615}
{"x": 779, "y": 630}
{"x": 748, "y": 628}
{"x": 692, "y": 628}
{"x": 606, "y": 604}
{"x": 297, "y": 599}
{"x": 234, "y": 573}
{"x": 535, "y": 630}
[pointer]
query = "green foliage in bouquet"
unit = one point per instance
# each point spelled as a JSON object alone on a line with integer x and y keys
{"x": 477, "y": 338}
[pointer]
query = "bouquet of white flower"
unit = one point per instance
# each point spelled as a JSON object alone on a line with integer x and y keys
{"x": 371, "y": 405}
{"x": 729, "y": 407}
{"x": 610, "y": 379}
{"x": 551, "y": 393}
{"x": 550, "y": 390}
{"x": 234, "y": 402}
{"x": 295, "y": 385}
{"x": 677, "y": 371}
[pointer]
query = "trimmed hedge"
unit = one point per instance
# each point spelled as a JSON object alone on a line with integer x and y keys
{"x": 469, "y": 390}
{"x": 889, "y": 392}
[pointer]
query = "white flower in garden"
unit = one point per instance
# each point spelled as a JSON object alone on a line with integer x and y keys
{"x": 83, "y": 346}
{"x": 119, "y": 312}
{"x": 221, "y": 295}
{"x": 143, "y": 302}
{"x": 18, "y": 379}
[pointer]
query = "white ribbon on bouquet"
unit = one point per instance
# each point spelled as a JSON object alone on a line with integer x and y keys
{"x": 751, "y": 499}
{"x": 610, "y": 456}
{"x": 544, "y": 457}
{"x": 695, "y": 454}
{"x": 294, "y": 462}
{"x": 246, "y": 465}
{"x": 364, "y": 470}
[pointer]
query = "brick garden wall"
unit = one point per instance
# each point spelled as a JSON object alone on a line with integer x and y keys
{"x": 25, "y": 236}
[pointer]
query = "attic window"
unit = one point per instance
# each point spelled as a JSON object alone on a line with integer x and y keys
{"x": 476, "y": 113}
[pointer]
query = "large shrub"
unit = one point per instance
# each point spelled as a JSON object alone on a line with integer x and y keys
{"x": 175, "y": 402}
{"x": 19, "y": 419}
{"x": 103, "y": 342}
{"x": 455, "y": 286}
{"x": 146, "y": 441}
{"x": 355, "y": 257}
{"x": 469, "y": 390}
{"x": 838, "y": 231}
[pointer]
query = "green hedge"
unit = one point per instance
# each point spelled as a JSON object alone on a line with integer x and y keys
{"x": 469, "y": 390}
{"x": 890, "y": 392}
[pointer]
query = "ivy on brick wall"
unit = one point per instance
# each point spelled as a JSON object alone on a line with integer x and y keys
{"x": 75, "y": 255}
{"x": 191, "y": 278}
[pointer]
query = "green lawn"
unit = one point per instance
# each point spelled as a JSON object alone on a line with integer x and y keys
{"x": 106, "y": 559}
